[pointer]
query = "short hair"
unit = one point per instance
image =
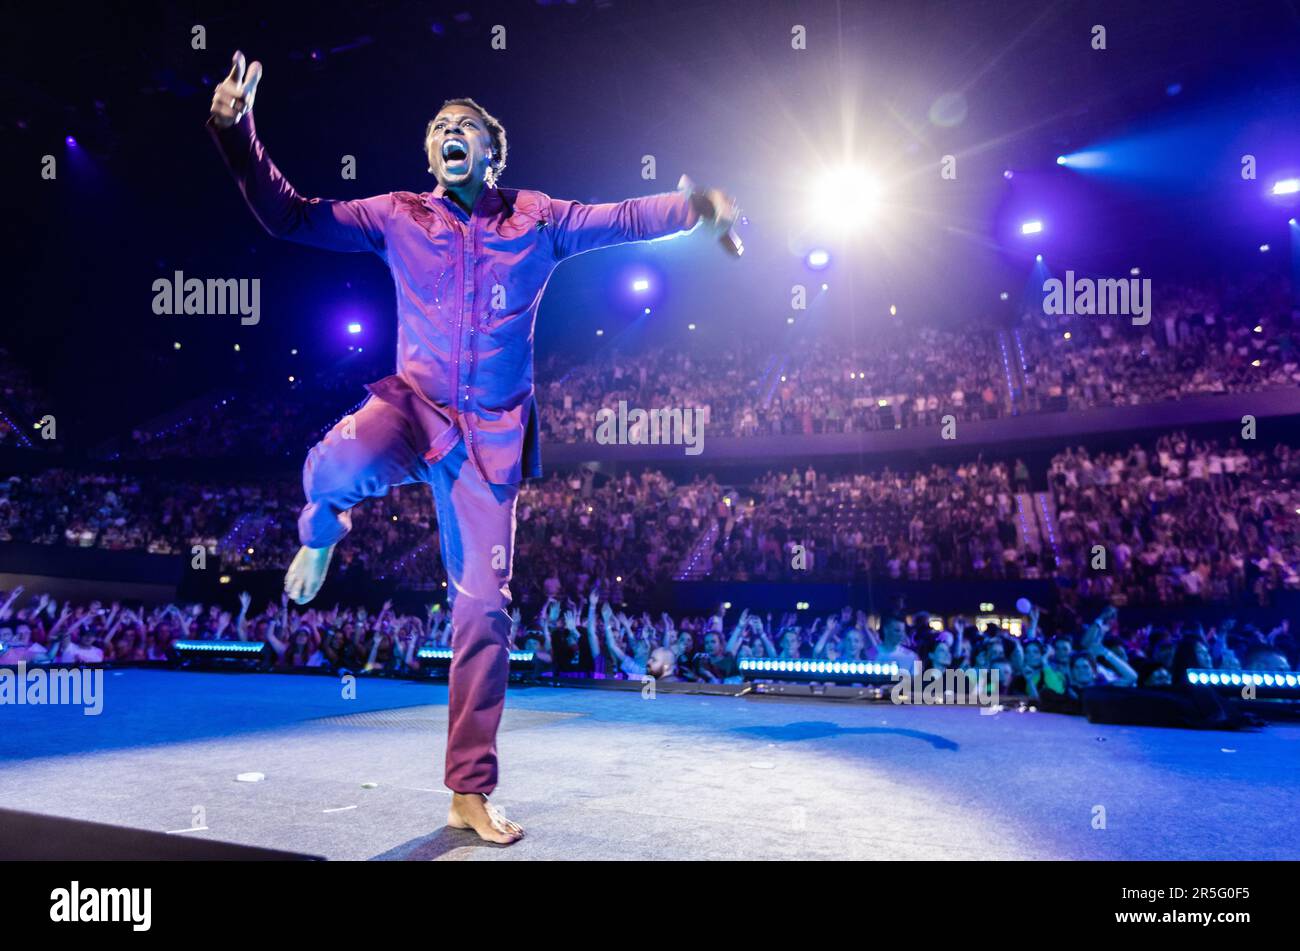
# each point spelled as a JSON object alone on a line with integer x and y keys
{"x": 496, "y": 131}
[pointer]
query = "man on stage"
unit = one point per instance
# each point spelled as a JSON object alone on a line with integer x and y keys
{"x": 470, "y": 261}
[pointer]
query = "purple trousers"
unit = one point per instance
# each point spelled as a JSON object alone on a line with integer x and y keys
{"x": 383, "y": 445}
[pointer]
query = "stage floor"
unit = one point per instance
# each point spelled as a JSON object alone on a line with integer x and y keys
{"x": 596, "y": 774}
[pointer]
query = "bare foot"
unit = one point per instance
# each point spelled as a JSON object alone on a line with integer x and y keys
{"x": 307, "y": 573}
{"x": 473, "y": 811}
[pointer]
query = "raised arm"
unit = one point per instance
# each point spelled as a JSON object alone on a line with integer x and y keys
{"x": 335, "y": 225}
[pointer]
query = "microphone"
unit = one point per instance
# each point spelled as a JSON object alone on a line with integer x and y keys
{"x": 729, "y": 240}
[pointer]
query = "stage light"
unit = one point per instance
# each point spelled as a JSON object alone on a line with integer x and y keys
{"x": 690, "y": 326}
{"x": 775, "y": 668}
{"x": 1038, "y": 258}
{"x": 647, "y": 310}
{"x": 354, "y": 328}
{"x": 1008, "y": 174}
{"x": 845, "y": 198}
{"x": 71, "y": 142}
{"x": 1031, "y": 227}
{"x": 176, "y": 345}
{"x": 1259, "y": 328}
{"x": 1279, "y": 683}
{"x": 219, "y": 647}
{"x": 1286, "y": 186}
{"x": 600, "y": 333}
{"x": 437, "y": 660}
{"x": 826, "y": 287}
{"x": 1003, "y": 296}
{"x": 818, "y": 258}
{"x": 243, "y": 654}
{"x": 789, "y": 320}
{"x": 641, "y": 284}
{"x": 293, "y": 352}
{"x": 1264, "y": 249}
{"x": 1135, "y": 271}
{"x": 893, "y": 311}
{"x": 1066, "y": 335}
{"x": 1291, "y": 222}
{"x": 224, "y": 579}
{"x": 1061, "y": 160}
{"x": 290, "y": 379}
{"x": 1254, "y": 363}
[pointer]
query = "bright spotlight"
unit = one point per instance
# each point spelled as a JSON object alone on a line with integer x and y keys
{"x": 846, "y": 197}
{"x": 1038, "y": 258}
{"x": 1287, "y": 186}
{"x": 354, "y": 328}
{"x": 1031, "y": 227}
{"x": 1291, "y": 222}
{"x": 1264, "y": 249}
{"x": 1061, "y": 160}
{"x": 641, "y": 284}
{"x": 818, "y": 258}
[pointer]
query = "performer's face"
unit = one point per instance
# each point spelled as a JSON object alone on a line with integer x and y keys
{"x": 460, "y": 147}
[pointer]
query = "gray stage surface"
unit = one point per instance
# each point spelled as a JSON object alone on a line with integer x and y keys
{"x": 596, "y": 774}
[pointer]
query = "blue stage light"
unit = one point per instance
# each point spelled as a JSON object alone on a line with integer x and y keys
{"x": 641, "y": 284}
{"x": 1061, "y": 160}
{"x": 1031, "y": 227}
{"x": 1286, "y": 186}
{"x": 851, "y": 670}
{"x": 219, "y": 647}
{"x": 354, "y": 328}
{"x": 445, "y": 653}
{"x": 818, "y": 258}
{"x": 1284, "y": 684}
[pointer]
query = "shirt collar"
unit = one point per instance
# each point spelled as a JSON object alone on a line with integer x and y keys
{"x": 489, "y": 200}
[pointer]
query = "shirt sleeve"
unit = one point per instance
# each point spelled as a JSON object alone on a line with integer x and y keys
{"x": 580, "y": 227}
{"x": 334, "y": 225}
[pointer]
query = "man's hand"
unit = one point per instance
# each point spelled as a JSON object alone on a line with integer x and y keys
{"x": 715, "y": 207}
{"x": 234, "y": 96}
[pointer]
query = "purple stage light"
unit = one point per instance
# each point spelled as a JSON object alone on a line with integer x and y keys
{"x": 1286, "y": 186}
{"x": 72, "y": 143}
{"x": 354, "y": 328}
{"x": 818, "y": 258}
{"x": 1031, "y": 227}
{"x": 641, "y": 284}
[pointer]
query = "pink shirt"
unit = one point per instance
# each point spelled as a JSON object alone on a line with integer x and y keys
{"x": 468, "y": 288}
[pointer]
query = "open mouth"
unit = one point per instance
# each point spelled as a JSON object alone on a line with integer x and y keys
{"x": 454, "y": 151}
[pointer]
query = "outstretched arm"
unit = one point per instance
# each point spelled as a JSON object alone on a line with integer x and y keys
{"x": 579, "y": 227}
{"x": 334, "y": 225}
